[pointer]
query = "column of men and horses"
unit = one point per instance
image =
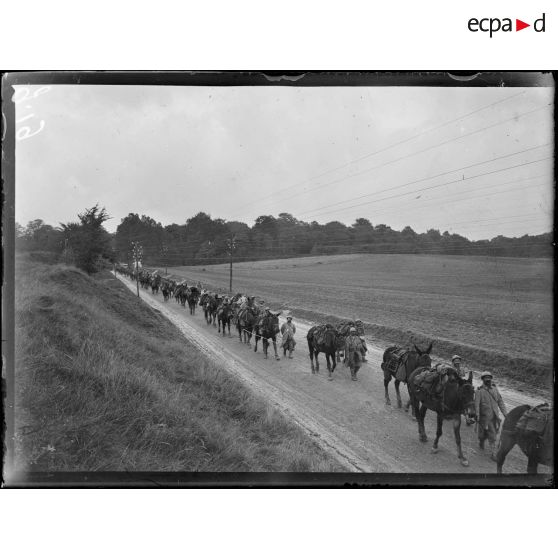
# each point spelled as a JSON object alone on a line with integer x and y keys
{"x": 444, "y": 389}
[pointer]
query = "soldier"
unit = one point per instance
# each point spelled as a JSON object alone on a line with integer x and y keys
{"x": 353, "y": 352}
{"x": 487, "y": 402}
{"x": 288, "y": 330}
{"x": 456, "y": 363}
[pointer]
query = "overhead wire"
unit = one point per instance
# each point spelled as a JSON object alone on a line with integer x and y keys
{"x": 391, "y": 146}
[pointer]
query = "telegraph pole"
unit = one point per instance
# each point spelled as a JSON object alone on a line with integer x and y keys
{"x": 231, "y": 246}
{"x": 137, "y": 251}
{"x": 165, "y": 250}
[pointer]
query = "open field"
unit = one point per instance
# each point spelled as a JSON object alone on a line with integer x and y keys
{"x": 105, "y": 383}
{"x": 495, "y": 312}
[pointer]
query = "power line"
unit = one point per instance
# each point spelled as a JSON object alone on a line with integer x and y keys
{"x": 364, "y": 171}
{"x": 421, "y": 190}
{"x": 358, "y": 159}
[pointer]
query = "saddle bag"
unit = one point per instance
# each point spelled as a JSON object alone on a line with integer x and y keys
{"x": 534, "y": 420}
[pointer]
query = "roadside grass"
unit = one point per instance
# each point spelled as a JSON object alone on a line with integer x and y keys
{"x": 494, "y": 312}
{"x": 106, "y": 383}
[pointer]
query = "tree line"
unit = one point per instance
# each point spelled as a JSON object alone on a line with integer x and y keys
{"x": 202, "y": 240}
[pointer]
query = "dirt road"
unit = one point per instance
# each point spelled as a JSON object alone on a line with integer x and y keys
{"x": 348, "y": 419}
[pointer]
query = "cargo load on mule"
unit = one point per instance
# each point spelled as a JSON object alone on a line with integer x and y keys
{"x": 535, "y": 420}
{"x": 398, "y": 356}
{"x": 320, "y": 331}
{"x": 431, "y": 380}
{"x": 344, "y": 327}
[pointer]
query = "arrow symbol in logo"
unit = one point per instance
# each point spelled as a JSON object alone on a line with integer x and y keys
{"x": 519, "y": 25}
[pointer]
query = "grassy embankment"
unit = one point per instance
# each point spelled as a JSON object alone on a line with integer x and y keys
{"x": 104, "y": 382}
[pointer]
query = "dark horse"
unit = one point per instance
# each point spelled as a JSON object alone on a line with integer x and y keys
{"x": 409, "y": 361}
{"x": 538, "y": 449}
{"x": 224, "y": 315}
{"x": 192, "y": 296}
{"x": 245, "y": 322}
{"x": 267, "y": 328}
{"x": 328, "y": 342}
{"x": 457, "y": 397}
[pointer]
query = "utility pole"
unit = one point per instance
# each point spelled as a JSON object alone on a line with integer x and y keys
{"x": 231, "y": 246}
{"x": 137, "y": 252}
{"x": 165, "y": 250}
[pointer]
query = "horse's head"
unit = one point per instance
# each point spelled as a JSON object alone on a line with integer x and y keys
{"x": 271, "y": 322}
{"x": 422, "y": 358}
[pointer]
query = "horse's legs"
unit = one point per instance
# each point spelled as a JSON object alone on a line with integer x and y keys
{"x": 507, "y": 441}
{"x": 257, "y": 337}
{"x": 439, "y": 428}
{"x": 532, "y": 464}
{"x": 334, "y": 363}
{"x": 277, "y": 357}
{"x": 387, "y": 380}
{"x": 265, "y": 344}
{"x": 328, "y": 364}
{"x": 399, "y": 404}
{"x": 457, "y": 434}
{"x": 420, "y": 414}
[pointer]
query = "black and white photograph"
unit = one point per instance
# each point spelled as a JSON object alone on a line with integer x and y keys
{"x": 248, "y": 278}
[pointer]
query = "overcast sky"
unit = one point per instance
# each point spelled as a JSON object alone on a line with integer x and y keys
{"x": 319, "y": 153}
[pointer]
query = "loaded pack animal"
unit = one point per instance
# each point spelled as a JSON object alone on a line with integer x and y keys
{"x": 210, "y": 305}
{"x": 266, "y": 328}
{"x": 180, "y": 293}
{"x": 324, "y": 339}
{"x": 399, "y": 363}
{"x": 165, "y": 290}
{"x": 224, "y": 315}
{"x": 192, "y": 296}
{"x": 448, "y": 395}
{"x": 246, "y": 319}
{"x": 532, "y": 429}
{"x": 155, "y": 284}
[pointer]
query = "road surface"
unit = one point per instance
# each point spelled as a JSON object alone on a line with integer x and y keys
{"x": 349, "y": 420}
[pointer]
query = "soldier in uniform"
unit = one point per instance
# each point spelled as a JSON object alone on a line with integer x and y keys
{"x": 288, "y": 330}
{"x": 353, "y": 352}
{"x": 487, "y": 403}
{"x": 456, "y": 363}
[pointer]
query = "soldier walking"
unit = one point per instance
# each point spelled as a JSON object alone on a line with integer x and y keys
{"x": 288, "y": 330}
{"x": 487, "y": 403}
{"x": 353, "y": 352}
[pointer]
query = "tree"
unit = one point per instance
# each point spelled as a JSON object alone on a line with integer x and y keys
{"x": 88, "y": 240}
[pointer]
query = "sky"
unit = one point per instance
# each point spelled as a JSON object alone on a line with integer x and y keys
{"x": 473, "y": 161}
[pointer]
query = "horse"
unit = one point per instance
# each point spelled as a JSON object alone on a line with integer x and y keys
{"x": 155, "y": 282}
{"x": 323, "y": 339}
{"x": 180, "y": 294}
{"x": 537, "y": 448}
{"x": 267, "y": 327}
{"x": 166, "y": 292}
{"x": 245, "y": 322}
{"x": 407, "y": 362}
{"x": 457, "y": 397}
{"x": 192, "y": 295}
{"x": 224, "y": 314}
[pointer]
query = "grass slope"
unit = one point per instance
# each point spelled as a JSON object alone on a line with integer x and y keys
{"x": 104, "y": 382}
{"x": 495, "y": 312}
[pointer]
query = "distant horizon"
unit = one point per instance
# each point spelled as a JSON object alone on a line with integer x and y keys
{"x": 441, "y": 229}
